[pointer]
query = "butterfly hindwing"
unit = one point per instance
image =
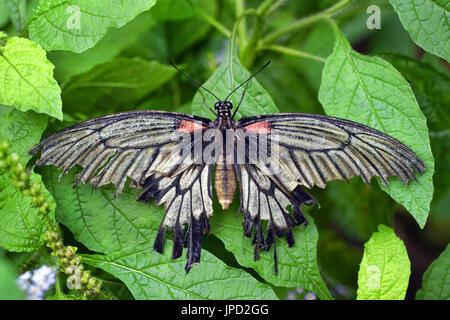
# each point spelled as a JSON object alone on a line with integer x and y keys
{"x": 187, "y": 198}
{"x": 263, "y": 199}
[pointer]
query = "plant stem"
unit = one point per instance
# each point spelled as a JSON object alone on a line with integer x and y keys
{"x": 274, "y": 7}
{"x": 212, "y": 21}
{"x": 307, "y": 21}
{"x": 264, "y": 7}
{"x": 292, "y": 52}
{"x": 248, "y": 52}
{"x": 242, "y": 27}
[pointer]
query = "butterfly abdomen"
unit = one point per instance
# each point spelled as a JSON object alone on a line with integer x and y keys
{"x": 225, "y": 182}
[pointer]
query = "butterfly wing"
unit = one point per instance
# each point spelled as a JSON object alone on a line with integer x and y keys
{"x": 305, "y": 150}
{"x": 187, "y": 198}
{"x": 315, "y": 149}
{"x": 155, "y": 150}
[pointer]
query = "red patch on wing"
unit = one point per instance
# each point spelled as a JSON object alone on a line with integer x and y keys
{"x": 259, "y": 127}
{"x": 186, "y": 126}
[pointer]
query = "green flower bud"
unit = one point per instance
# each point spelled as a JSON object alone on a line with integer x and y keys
{"x": 23, "y": 176}
{"x": 35, "y": 188}
{"x": 48, "y": 235}
{"x": 12, "y": 159}
{"x": 19, "y": 168}
{"x": 60, "y": 253}
{"x": 75, "y": 261}
{"x": 59, "y": 244}
{"x": 91, "y": 283}
{"x": 85, "y": 277}
{"x": 44, "y": 208}
{"x": 4, "y": 145}
{"x": 38, "y": 200}
{"x": 70, "y": 251}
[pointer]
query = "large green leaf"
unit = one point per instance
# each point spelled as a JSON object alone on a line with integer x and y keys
{"x": 385, "y": 267}
{"x": 26, "y": 78}
{"x": 227, "y": 77}
{"x": 21, "y": 129}
{"x": 150, "y": 275}
{"x": 436, "y": 280}
{"x": 297, "y": 265}
{"x": 115, "y": 86}
{"x": 428, "y": 23}
{"x": 370, "y": 91}
{"x": 77, "y": 25}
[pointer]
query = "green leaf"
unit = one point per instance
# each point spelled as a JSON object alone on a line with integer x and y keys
{"x": 385, "y": 267}
{"x": 17, "y": 12}
{"x": 430, "y": 88}
{"x": 370, "y": 91}
{"x": 21, "y": 129}
{"x": 297, "y": 265}
{"x": 4, "y": 16}
{"x": 427, "y": 22}
{"x": 150, "y": 275}
{"x": 172, "y": 10}
{"x": 79, "y": 25}
{"x": 8, "y": 287}
{"x": 227, "y": 77}
{"x": 26, "y": 78}
{"x": 21, "y": 225}
{"x": 436, "y": 280}
{"x": 68, "y": 63}
{"x": 115, "y": 85}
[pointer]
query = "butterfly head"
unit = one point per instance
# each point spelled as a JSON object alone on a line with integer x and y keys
{"x": 223, "y": 108}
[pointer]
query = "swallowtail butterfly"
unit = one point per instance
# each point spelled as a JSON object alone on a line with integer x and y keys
{"x": 170, "y": 157}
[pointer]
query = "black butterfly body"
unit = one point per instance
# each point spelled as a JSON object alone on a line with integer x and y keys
{"x": 156, "y": 150}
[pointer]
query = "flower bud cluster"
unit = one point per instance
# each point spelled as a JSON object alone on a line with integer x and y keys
{"x": 21, "y": 179}
{"x": 71, "y": 265}
{"x": 66, "y": 255}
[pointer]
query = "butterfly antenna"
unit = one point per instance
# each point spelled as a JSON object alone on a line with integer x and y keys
{"x": 253, "y": 75}
{"x": 198, "y": 84}
{"x": 240, "y": 101}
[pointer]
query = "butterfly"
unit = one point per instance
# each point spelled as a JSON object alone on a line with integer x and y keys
{"x": 170, "y": 158}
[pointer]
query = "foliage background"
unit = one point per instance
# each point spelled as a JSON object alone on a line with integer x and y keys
{"x": 120, "y": 64}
